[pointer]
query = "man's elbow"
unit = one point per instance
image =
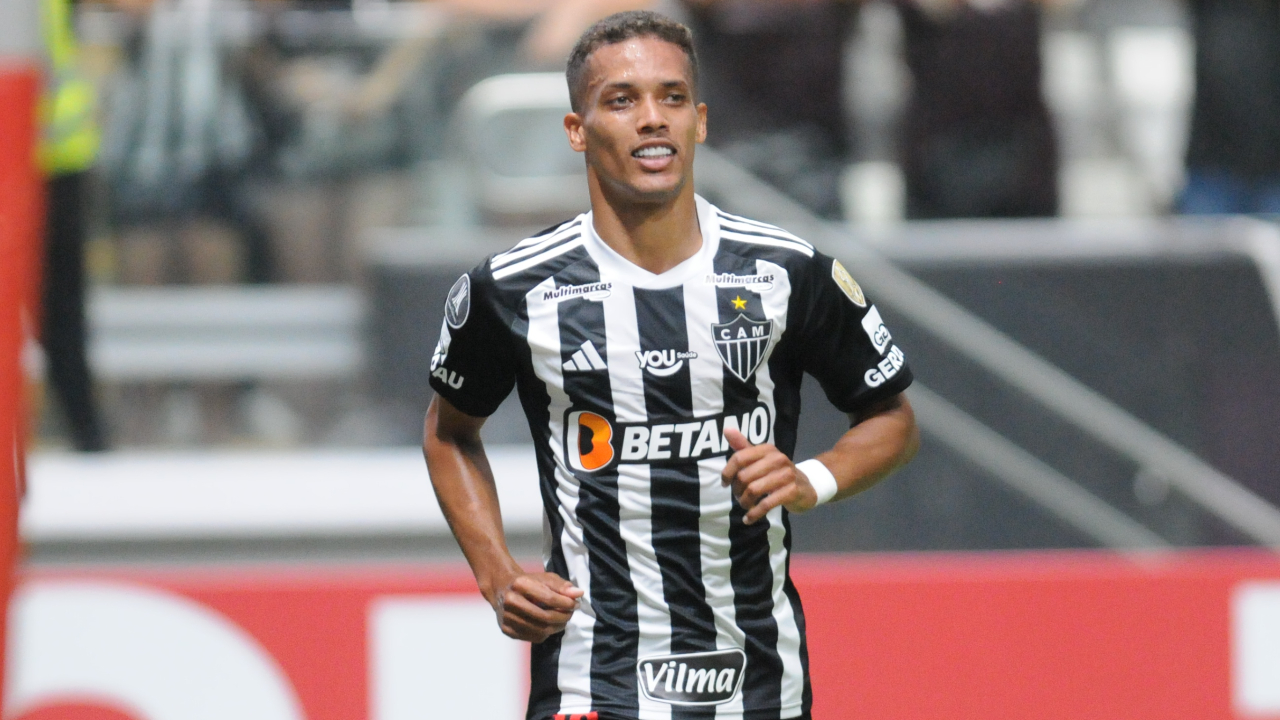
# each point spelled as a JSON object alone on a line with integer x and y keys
{"x": 430, "y": 425}
{"x": 910, "y": 432}
{"x": 911, "y": 445}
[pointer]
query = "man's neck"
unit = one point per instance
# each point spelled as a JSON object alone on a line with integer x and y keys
{"x": 654, "y": 237}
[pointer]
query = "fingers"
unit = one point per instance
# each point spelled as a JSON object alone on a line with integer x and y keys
{"x": 761, "y": 475}
{"x": 564, "y": 587}
{"x": 760, "y": 497}
{"x": 736, "y": 439}
{"x": 536, "y": 606}
{"x": 546, "y": 590}
{"x": 518, "y": 628}
{"x": 745, "y": 454}
{"x": 754, "y": 464}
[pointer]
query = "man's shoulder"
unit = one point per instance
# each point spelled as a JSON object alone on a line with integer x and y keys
{"x": 744, "y": 235}
{"x": 533, "y": 259}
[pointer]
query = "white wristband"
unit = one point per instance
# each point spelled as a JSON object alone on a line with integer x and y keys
{"x": 823, "y": 482}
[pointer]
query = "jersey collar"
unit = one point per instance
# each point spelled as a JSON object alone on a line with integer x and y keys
{"x": 617, "y": 268}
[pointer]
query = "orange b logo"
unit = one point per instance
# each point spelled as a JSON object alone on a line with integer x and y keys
{"x": 589, "y": 441}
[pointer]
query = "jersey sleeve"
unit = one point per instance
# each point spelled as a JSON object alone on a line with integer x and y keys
{"x": 473, "y": 364}
{"x": 845, "y": 345}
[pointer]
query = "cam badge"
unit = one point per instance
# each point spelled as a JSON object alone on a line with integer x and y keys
{"x": 742, "y": 344}
{"x": 848, "y": 284}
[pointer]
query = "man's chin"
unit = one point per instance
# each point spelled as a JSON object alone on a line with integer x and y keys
{"x": 647, "y": 193}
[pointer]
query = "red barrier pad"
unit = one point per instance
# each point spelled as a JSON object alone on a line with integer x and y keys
{"x": 1046, "y": 636}
{"x": 20, "y": 220}
{"x": 994, "y": 636}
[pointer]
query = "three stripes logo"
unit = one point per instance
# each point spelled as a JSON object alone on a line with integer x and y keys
{"x": 743, "y": 344}
{"x": 586, "y": 358}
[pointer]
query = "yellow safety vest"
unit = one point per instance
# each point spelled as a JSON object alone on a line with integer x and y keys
{"x": 70, "y": 138}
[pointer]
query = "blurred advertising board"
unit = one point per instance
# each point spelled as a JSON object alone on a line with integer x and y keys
{"x": 996, "y": 636}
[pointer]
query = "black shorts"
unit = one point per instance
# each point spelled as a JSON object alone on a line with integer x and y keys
{"x": 594, "y": 715}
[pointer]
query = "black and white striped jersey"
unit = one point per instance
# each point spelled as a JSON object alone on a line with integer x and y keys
{"x": 629, "y": 380}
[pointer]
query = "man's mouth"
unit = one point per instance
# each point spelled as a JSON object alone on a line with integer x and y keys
{"x": 653, "y": 152}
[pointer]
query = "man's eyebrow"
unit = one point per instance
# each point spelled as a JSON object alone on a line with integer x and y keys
{"x": 625, "y": 85}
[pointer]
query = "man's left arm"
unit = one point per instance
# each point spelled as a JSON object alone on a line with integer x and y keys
{"x": 881, "y": 440}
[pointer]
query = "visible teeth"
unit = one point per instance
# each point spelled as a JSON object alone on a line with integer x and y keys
{"x": 654, "y": 152}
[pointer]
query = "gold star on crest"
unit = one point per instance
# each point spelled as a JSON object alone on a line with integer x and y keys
{"x": 739, "y": 303}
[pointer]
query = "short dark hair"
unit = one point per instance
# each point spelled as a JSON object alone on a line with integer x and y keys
{"x": 621, "y": 27}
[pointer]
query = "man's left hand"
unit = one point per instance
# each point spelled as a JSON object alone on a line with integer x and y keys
{"x": 764, "y": 478}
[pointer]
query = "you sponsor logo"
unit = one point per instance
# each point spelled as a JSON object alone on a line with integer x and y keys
{"x": 663, "y": 363}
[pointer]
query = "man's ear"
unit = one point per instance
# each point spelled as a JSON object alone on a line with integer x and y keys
{"x": 702, "y": 122}
{"x": 573, "y": 128}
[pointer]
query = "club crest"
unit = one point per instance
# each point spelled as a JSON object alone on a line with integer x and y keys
{"x": 743, "y": 344}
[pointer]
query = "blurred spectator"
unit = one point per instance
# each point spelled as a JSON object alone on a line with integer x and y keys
{"x": 773, "y": 78}
{"x": 1233, "y": 158}
{"x": 181, "y": 139}
{"x": 977, "y": 138}
{"x": 258, "y": 150}
{"x": 67, "y": 151}
{"x": 336, "y": 134}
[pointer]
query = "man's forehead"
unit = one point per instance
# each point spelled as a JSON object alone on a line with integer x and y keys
{"x": 638, "y": 60}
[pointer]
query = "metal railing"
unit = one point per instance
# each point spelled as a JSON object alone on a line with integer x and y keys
{"x": 1021, "y": 368}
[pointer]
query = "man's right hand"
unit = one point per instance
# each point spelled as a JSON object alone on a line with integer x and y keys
{"x": 535, "y": 606}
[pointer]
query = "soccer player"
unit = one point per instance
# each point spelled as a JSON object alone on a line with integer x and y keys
{"x": 658, "y": 345}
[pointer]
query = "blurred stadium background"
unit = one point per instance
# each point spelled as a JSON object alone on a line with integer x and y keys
{"x": 284, "y": 190}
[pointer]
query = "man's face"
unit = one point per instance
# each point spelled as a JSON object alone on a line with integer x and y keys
{"x": 639, "y": 123}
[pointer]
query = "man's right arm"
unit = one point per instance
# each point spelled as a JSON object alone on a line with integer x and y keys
{"x": 529, "y": 606}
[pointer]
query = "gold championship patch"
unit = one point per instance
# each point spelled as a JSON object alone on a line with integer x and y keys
{"x": 848, "y": 284}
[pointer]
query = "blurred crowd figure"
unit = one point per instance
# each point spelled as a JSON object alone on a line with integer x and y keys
{"x": 1233, "y": 157}
{"x": 181, "y": 143}
{"x": 773, "y": 80}
{"x": 977, "y": 139}
{"x": 67, "y": 150}
{"x": 231, "y": 153}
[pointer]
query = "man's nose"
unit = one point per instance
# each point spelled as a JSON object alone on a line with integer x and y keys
{"x": 651, "y": 117}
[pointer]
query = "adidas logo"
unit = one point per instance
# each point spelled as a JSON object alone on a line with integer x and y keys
{"x": 587, "y": 358}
